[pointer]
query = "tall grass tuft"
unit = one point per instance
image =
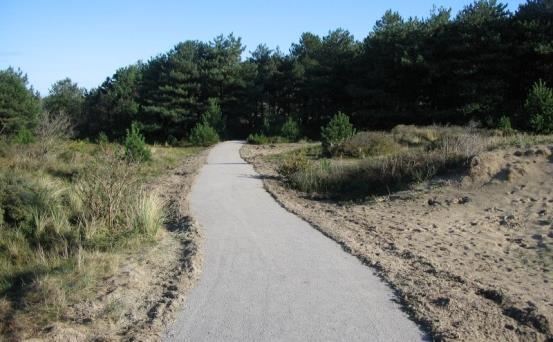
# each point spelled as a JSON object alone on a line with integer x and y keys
{"x": 147, "y": 214}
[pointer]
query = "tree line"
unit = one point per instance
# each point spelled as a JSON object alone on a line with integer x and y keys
{"x": 479, "y": 64}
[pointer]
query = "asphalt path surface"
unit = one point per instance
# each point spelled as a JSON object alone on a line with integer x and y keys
{"x": 269, "y": 276}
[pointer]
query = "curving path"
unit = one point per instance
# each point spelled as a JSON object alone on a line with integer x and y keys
{"x": 268, "y": 275}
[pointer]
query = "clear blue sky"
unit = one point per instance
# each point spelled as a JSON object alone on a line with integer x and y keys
{"x": 88, "y": 40}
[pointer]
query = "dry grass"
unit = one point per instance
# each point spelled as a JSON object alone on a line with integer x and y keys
{"x": 366, "y": 144}
{"x": 66, "y": 214}
{"x": 388, "y": 162}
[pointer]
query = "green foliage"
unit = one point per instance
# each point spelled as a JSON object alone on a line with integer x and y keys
{"x": 214, "y": 117}
{"x": 257, "y": 139}
{"x": 65, "y": 97}
{"x": 539, "y": 107}
{"x": 135, "y": 146}
{"x": 102, "y": 138}
{"x": 290, "y": 130}
{"x": 113, "y": 106}
{"x": 504, "y": 125}
{"x": 203, "y": 135}
{"x": 292, "y": 164}
{"x": 24, "y": 136}
{"x": 446, "y": 68}
{"x": 337, "y": 130}
{"x": 388, "y": 169}
{"x": 19, "y": 105}
{"x": 365, "y": 144}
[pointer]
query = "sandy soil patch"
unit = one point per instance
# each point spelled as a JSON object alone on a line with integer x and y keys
{"x": 470, "y": 257}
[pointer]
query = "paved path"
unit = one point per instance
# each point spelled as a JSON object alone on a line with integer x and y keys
{"x": 268, "y": 275}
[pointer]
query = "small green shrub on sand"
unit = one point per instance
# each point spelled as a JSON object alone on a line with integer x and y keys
{"x": 257, "y": 139}
{"x": 203, "y": 135}
{"x": 338, "y": 129}
{"x": 290, "y": 130}
{"x": 135, "y": 146}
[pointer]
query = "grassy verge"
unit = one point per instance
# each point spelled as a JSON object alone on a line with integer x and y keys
{"x": 67, "y": 214}
{"x": 376, "y": 163}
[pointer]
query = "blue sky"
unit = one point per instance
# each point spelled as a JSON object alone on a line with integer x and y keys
{"x": 88, "y": 40}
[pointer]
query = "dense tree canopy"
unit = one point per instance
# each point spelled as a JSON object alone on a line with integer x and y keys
{"x": 65, "y": 97}
{"x": 478, "y": 64}
{"x": 19, "y": 104}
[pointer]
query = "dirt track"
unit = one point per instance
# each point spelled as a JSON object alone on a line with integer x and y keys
{"x": 268, "y": 275}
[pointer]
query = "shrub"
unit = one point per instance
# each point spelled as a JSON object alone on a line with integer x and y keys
{"x": 257, "y": 139}
{"x": 214, "y": 117}
{"x": 172, "y": 141}
{"x": 292, "y": 164}
{"x": 290, "y": 130}
{"x": 338, "y": 129}
{"x": 106, "y": 186}
{"x": 24, "y": 136}
{"x": 383, "y": 174}
{"x": 413, "y": 135}
{"x": 102, "y": 139}
{"x": 539, "y": 107}
{"x": 136, "y": 149}
{"x": 203, "y": 135}
{"x": 504, "y": 125}
{"x": 364, "y": 144}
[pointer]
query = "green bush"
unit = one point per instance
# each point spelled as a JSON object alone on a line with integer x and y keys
{"x": 203, "y": 135}
{"x": 338, "y": 129}
{"x": 135, "y": 146}
{"x": 102, "y": 138}
{"x": 24, "y": 137}
{"x": 257, "y": 139}
{"x": 290, "y": 130}
{"x": 172, "y": 141}
{"x": 365, "y": 144}
{"x": 214, "y": 117}
{"x": 414, "y": 135}
{"x": 539, "y": 107}
{"x": 504, "y": 125}
{"x": 292, "y": 164}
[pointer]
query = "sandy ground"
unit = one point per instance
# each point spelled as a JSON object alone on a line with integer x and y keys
{"x": 268, "y": 275}
{"x": 142, "y": 297}
{"x": 471, "y": 259}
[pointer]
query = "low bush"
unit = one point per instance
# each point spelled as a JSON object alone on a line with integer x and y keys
{"x": 382, "y": 173}
{"x": 337, "y": 130}
{"x": 414, "y": 135}
{"x": 136, "y": 149}
{"x": 102, "y": 139}
{"x": 292, "y": 164}
{"x": 365, "y": 144}
{"x": 504, "y": 125}
{"x": 203, "y": 135}
{"x": 257, "y": 139}
{"x": 24, "y": 137}
{"x": 290, "y": 130}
